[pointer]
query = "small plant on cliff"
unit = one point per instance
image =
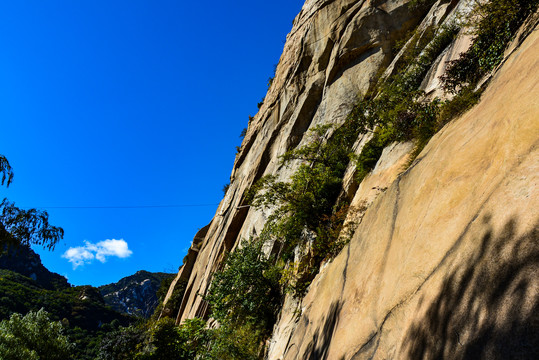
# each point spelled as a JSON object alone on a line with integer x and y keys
{"x": 305, "y": 209}
{"x": 494, "y": 24}
{"x": 225, "y": 188}
{"x": 243, "y": 133}
{"x": 125, "y": 343}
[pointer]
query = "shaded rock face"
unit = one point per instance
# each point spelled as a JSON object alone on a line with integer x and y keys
{"x": 25, "y": 261}
{"x": 135, "y": 294}
{"x": 445, "y": 256}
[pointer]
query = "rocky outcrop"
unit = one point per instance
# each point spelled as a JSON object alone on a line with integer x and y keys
{"x": 445, "y": 256}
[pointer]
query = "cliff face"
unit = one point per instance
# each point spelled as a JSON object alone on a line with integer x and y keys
{"x": 444, "y": 261}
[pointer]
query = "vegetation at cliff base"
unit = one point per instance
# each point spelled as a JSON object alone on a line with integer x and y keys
{"x": 493, "y": 26}
{"x": 33, "y": 337}
{"x": 246, "y": 289}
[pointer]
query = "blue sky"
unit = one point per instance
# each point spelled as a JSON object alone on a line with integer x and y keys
{"x": 129, "y": 103}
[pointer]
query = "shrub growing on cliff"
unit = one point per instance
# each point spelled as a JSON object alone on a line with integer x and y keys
{"x": 494, "y": 24}
{"x": 304, "y": 209}
{"x": 395, "y": 111}
{"x": 310, "y": 197}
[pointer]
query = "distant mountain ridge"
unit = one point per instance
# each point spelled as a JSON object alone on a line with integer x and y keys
{"x": 135, "y": 294}
{"x": 25, "y": 284}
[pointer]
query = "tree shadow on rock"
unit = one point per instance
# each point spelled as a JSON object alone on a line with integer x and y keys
{"x": 487, "y": 308}
{"x": 319, "y": 345}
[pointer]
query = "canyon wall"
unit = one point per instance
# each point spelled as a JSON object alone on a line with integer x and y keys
{"x": 445, "y": 255}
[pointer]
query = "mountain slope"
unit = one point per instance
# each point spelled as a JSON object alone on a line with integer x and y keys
{"x": 135, "y": 294}
{"x": 25, "y": 261}
{"x": 25, "y": 284}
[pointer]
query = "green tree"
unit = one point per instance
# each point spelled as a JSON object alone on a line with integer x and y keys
{"x": 24, "y": 227}
{"x": 125, "y": 343}
{"x": 246, "y": 290}
{"x": 194, "y": 338}
{"x": 187, "y": 341}
{"x": 33, "y": 337}
{"x": 165, "y": 340}
{"x": 232, "y": 342}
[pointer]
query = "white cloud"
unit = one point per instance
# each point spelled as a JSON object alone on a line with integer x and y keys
{"x": 81, "y": 255}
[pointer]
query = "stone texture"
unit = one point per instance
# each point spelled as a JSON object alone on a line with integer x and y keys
{"x": 445, "y": 262}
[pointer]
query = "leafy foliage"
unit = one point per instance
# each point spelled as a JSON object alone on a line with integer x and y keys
{"x": 245, "y": 291}
{"x": 308, "y": 200}
{"x": 165, "y": 340}
{"x": 232, "y": 342}
{"x": 494, "y": 24}
{"x": 458, "y": 105}
{"x": 187, "y": 341}
{"x": 126, "y": 343}
{"x": 6, "y": 171}
{"x": 33, "y": 337}
{"x": 81, "y": 309}
{"x": 158, "y": 340}
{"x": 26, "y": 227}
{"x": 395, "y": 110}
